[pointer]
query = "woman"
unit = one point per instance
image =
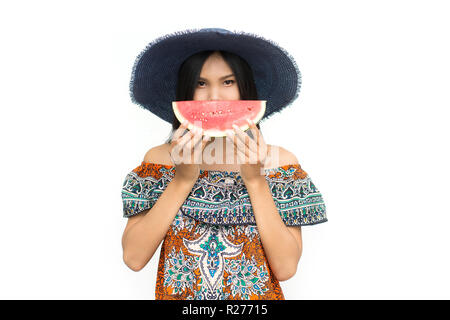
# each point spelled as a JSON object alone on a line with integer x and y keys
{"x": 231, "y": 229}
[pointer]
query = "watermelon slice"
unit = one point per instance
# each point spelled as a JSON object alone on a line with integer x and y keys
{"x": 217, "y": 116}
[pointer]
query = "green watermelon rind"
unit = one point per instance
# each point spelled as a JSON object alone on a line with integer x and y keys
{"x": 219, "y": 133}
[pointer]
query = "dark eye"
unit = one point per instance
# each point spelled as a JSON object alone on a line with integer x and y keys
{"x": 200, "y": 82}
{"x": 232, "y": 81}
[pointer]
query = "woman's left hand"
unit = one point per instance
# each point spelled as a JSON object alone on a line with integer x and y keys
{"x": 252, "y": 153}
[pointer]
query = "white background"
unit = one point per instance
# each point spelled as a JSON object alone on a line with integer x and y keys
{"x": 370, "y": 127}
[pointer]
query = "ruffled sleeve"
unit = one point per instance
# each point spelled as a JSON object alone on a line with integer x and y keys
{"x": 297, "y": 198}
{"x": 143, "y": 186}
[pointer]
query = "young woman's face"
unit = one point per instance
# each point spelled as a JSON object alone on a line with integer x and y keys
{"x": 216, "y": 81}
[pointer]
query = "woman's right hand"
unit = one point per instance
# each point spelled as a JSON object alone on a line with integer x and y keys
{"x": 186, "y": 152}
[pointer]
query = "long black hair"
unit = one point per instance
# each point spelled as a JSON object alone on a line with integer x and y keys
{"x": 189, "y": 73}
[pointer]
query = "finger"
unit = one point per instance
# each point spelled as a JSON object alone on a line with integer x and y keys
{"x": 255, "y": 131}
{"x": 183, "y": 141}
{"x": 194, "y": 137}
{"x": 242, "y": 158}
{"x": 255, "y": 153}
{"x": 250, "y": 156}
{"x": 246, "y": 154}
{"x": 194, "y": 126}
{"x": 231, "y": 138}
{"x": 241, "y": 146}
{"x": 205, "y": 140}
{"x": 181, "y": 144}
{"x": 251, "y": 128}
{"x": 260, "y": 143}
{"x": 180, "y": 131}
{"x": 245, "y": 138}
{"x": 230, "y": 144}
{"x": 239, "y": 142}
{"x": 262, "y": 153}
{"x": 251, "y": 144}
{"x": 201, "y": 147}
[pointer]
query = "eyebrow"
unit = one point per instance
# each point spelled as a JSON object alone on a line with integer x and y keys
{"x": 224, "y": 77}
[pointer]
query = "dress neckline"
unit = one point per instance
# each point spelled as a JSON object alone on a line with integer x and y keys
{"x": 223, "y": 172}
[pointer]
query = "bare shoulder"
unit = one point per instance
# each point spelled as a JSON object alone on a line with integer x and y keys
{"x": 158, "y": 154}
{"x": 280, "y": 156}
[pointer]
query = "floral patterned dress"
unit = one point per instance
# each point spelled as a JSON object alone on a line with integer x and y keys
{"x": 212, "y": 250}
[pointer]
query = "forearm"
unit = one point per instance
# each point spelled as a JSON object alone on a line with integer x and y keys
{"x": 279, "y": 244}
{"x": 144, "y": 237}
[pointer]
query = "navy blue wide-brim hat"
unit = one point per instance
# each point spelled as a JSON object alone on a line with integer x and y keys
{"x": 155, "y": 71}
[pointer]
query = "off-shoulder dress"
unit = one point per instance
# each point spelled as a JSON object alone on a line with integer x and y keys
{"x": 212, "y": 250}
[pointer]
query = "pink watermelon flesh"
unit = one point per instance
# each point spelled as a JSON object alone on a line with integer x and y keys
{"x": 216, "y": 116}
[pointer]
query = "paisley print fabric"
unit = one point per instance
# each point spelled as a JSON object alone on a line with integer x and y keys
{"x": 212, "y": 250}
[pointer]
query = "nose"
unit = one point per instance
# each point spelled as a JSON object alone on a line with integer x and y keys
{"x": 214, "y": 93}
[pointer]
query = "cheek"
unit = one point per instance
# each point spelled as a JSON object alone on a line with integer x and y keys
{"x": 198, "y": 95}
{"x": 234, "y": 94}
